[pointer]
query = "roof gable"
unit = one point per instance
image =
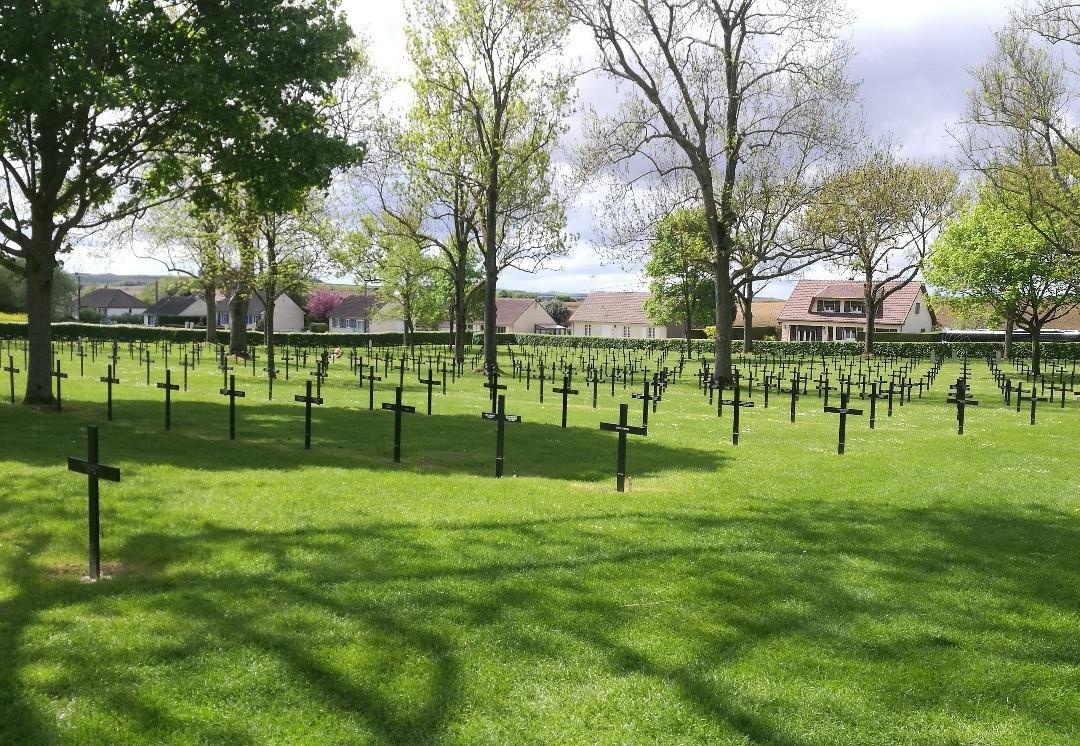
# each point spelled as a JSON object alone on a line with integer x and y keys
{"x": 895, "y": 309}
{"x": 613, "y": 308}
{"x": 353, "y": 307}
{"x": 110, "y": 298}
{"x": 170, "y": 306}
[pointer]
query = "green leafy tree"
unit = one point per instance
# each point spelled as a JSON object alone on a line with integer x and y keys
{"x": 992, "y": 257}
{"x": 876, "y": 218}
{"x": 104, "y": 105}
{"x": 558, "y": 311}
{"x": 678, "y": 269}
{"x": 485, "y": 60}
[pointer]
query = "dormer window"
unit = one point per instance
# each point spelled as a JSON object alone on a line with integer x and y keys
{"x": 854, "y": 306}
{"x": 828, "y": 306}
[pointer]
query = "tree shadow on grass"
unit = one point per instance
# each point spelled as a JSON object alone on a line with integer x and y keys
{"x": 752, "y": 623}
{"x": 273, "y": 435}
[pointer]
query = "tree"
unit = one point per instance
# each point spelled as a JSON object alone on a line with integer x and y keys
{"x": 558, "y": 311}
{"x": 321, "y": 302}
{"x": 484, "y": 59}
{"x": 680, "y": 281}
{"x": 711, "y": 85}
{"x": 100, "y": 102}
{"x": 876, "y": 218}
{"x": 1019, "y": 133}
{"x": 991, "y": 257}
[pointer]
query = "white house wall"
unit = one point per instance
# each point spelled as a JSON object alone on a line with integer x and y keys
{"x": 916, "y": 323}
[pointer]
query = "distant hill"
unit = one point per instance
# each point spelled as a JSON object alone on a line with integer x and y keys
{"x": 120, "y": 281}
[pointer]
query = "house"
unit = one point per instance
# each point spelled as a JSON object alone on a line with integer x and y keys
{"x": 834, "y": 310}
{"x": 618, "y": 315}
{"x": 766, "y": 313}
{"x": 355, "y": 313}
{"x": 288, "y": 316}
{"x": 187, "y": 307}
{"x": 520, "y": 316}
{"x": 111, "y": 302}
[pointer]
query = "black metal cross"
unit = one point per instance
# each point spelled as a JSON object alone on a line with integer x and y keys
{"x": 58, "y": 376}
{"x": 960, "y": 398}
{"x": 495, "y": 387}
{"x": 11, "y": 370}
{"x": 308, "y": 400}
{"x": 1032, "y": 397}
{"x": 93, "y": 471}
{"x": 566, "y": 391}
{"x": 169, "y": 387}
{"x": 645, "y": 397}
{"x": 736, "y": 403}
{"x": 371, "y": 378}
{"x": 430, "y": 382}
{"x": 109, "y": 380}
{"x": 501, "y": 418}
{"x": 623, "y": 429}
{"x": 843, "y": 410}
{"x": 232, "y": 392}
{"x": 397, "y": 407}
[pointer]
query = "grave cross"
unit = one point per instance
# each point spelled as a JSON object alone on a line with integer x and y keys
{"x": 398, "y": 408}
{"x": 169, "y": 387}
{"x": 58, "y": 376}
{"x": 371, "y": 378}
{"x": 566, "y": 391}
{"x": 430, "y": 382}
{"x": 736, "y": 404}
{"x": 1033, "y": 397}
{"x": 645, "y": 397}
{"x": 495, "y": 387}
{"x": 109, "y": 380}
{"x": 843, "y": 410}
{"x": 93, "y": 471}
{"x": 623, "y": 429}
{"x": 961, "y": 399}
{"x": 308, "y": 400}
{"x": 11, "y": 370}
{"x": 501, "y": 418}
{"x": 232, "y": 392}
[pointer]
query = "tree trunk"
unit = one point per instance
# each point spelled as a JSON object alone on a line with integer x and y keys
{"x": 40, "y": 265}
{"x": 1036, "y": 350}
{"x": 460, "y": 309}
{"x": 871, "y": 312}
{"x": 748, "y": 322}
{"x": 491, "y": 277}
{"x": 725, "y": 311}
{"x": 238, "y": 308}
{"x": 1010, "y": 327}
{"x": 269, "y": 293}
{"x": 210, "y": 293}
{"x": 688, "y": 319}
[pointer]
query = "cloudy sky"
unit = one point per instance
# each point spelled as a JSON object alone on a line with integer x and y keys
{"x": 912, "y": 60}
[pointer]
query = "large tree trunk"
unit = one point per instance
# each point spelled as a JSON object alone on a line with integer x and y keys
{"x": 210, "y": 293}
{"x": 748, "y": 321}
{"x": 1036, "y": 350}
{"x": 1010, "y": 327}
{"x": 460, "y": 309}
{"x": 238, "y": 308}
{"x": 871, "y": 313}
{"x": 40, "y": 266}
{"x": 270, "y": 292}
{"x": 688, "y": 319}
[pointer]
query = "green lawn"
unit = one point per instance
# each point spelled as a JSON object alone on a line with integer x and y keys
{"x": 924, "y": 588}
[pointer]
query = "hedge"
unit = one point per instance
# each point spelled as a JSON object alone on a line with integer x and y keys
{"x": 70, "y": 331}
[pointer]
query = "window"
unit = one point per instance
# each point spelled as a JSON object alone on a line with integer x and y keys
{"x": 846, "y": 332}
{"x": 828, "y": 306}
{"x": 588, "y": 330}
{"x": 500, "y": 330}
{"x": 223, "y": 319}
{"x": 626, "y": 331}
{"x": 650, "y": 332}
{"x": 854, "y": 306}
{"x": 918, "y": 306}
{"x": 252, "y": 319}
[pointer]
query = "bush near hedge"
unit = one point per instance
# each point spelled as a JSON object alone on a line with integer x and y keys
{"x": 70, "y": 331}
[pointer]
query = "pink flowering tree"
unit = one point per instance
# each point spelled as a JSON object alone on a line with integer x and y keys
{"x": 322, "y": 302}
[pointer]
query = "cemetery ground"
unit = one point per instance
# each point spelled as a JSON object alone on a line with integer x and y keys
{"x": 923, "y": 588}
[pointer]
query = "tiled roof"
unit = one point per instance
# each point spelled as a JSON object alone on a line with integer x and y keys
{"x": 170, "y": 306}
{"x": 765, "y": 313}
{"x": 799, "y": 305}
{"x": 354, "y": 307}
{"x": 110, "y": 298}
{"x": 509, "y": 310}
{"x": 613, "y": 308}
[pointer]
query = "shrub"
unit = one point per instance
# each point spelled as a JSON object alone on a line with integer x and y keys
{"x": 319, "y": 327}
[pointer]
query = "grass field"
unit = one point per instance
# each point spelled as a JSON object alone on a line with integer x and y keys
{"x": 924, "y": 588}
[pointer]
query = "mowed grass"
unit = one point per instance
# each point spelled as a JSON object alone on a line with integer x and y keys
{"x": 924, "y": 588}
